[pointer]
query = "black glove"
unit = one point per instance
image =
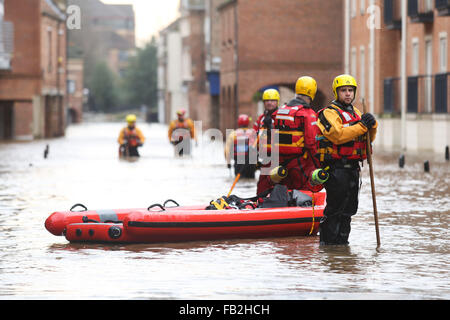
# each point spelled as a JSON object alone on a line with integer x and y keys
{"x": 229, "y": 165}
{"x": 368, "y": 120}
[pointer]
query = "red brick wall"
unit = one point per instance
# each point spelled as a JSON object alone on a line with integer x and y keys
{"x": 23, "y": 116}
{"x": 198, "y": 103}
{"x": 22, "y": 81}
{"x": 75, "y": 99}
{"x": 279, "y": 41}
{"x": 29, "y": 76}
{"x": 388, "y": 50}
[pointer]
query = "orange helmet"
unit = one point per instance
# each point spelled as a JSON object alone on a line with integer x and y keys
{"x": 243, "y": 120}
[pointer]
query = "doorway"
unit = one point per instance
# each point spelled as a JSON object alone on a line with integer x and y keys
{"x": 6, "y": 120}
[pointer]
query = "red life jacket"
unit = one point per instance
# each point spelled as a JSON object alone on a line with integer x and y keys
{"x": 352, "y": 150}
{"x": 263, "y": 133}
{"x": 243, "y": 139}
{"x": 131, "y": 137}
{"x": 182, "y": 124}
{"x": 181, "y": 130}
{"x": 291, "y": 122}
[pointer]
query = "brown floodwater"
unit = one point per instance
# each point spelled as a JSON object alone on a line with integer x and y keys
{"x": 83, "y": 167}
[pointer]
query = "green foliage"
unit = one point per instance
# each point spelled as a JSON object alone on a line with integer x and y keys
{"x": 257, "y": 96}
{"x": 140, "y": 82}
{"x": 138, "y": 85}
{"x": 103, "y": 88}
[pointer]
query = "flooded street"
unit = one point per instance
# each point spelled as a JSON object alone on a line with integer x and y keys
{"x": 83, "y": 167}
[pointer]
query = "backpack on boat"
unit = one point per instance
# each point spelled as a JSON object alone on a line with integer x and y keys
{"x": 299, "y": 199}
{"x": 279, "y": 197}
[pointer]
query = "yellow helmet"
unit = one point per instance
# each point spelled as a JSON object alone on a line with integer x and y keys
{"x": 181, "y": 112}
{"x": 271, "y": 94}
{"x": 131, "y": 118}
{"x": 306, "y": 86}
{"x": 342, "y": 81}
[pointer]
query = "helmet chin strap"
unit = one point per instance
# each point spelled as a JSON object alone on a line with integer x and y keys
{"x": 348, "y": 105}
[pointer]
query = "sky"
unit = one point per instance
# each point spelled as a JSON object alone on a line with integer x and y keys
{"x": 151, "y": 16}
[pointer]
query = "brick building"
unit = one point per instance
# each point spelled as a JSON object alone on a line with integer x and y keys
{"x": 172, "y": 92}
{"x": 75, "y": 90}
{"x": 270, "y": 44}
{"x": 32, "y": 71}
{"x": 107, "y": 34}
{"x": 189, "y": 63}
{"x": 192, "y": 19}
{"x": 414, "y": 101}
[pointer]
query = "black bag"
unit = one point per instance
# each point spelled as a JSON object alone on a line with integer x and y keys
{"x": 300, "y": 199}
{"x": 278, "y": 197}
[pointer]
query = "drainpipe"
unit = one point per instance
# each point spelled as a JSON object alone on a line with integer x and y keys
{"x": 372, "y": 65}
{"x": 347, "y": 37}
{"x": 403, "y": 75}
{"x": 236, "y": 52}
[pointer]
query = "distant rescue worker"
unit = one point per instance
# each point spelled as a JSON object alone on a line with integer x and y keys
{"x": 263, "y": 128}
{"x": 264, "y": 123}
{"x": 181, "y": 132}
{"x": 130, "y": 138}
{"x": 241, "y": 145}
{"x": 296, "y": 126}
{"x": 341, "y": 148}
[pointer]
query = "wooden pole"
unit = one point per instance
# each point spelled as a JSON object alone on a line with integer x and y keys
{"x": 372, "y": 183}
{"x": 234, "y": 183}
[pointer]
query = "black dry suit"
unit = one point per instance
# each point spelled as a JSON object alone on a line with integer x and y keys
{"x": 342, "y": 200}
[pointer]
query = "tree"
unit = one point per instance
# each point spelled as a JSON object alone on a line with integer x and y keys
{"x": 103, "y": 93}
{"x": 140, "y": 78}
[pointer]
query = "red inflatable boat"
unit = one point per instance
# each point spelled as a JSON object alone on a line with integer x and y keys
{"x": 190, "y": 223}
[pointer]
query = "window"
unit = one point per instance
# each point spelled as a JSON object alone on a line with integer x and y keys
{"x": 123, "y": 55}
{"x": 428, "y": 72}
{"x": 362, "y": 7}
{"x": 71, "y": 86}
{"x": 353, "y": 62}
{"x": 353, "y": 8}
{"x": 49, "y": 50}
{"x": 415, "y": 57}
{"x": 443, "y": 49}
{"x": 428, "y": 5}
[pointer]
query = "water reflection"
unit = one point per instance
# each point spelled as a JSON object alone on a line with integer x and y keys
{"x": 83, "y": 167}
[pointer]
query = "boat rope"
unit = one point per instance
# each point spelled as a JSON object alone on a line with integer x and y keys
{"x": 313, "y": 203}
{"x": 85, "y": 219}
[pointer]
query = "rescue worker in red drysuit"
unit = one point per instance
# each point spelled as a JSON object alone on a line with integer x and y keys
{"x": 240, "y": 145}
{"x": 341, "y": 148}
{"x": 263, "y": 128}
{"x": 295, "y": 124}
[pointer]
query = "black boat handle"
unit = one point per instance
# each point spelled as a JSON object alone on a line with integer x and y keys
{"x": 78, "y": 205}
{"x": 170, "y": 200}
{"x": 156, "y": 205}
